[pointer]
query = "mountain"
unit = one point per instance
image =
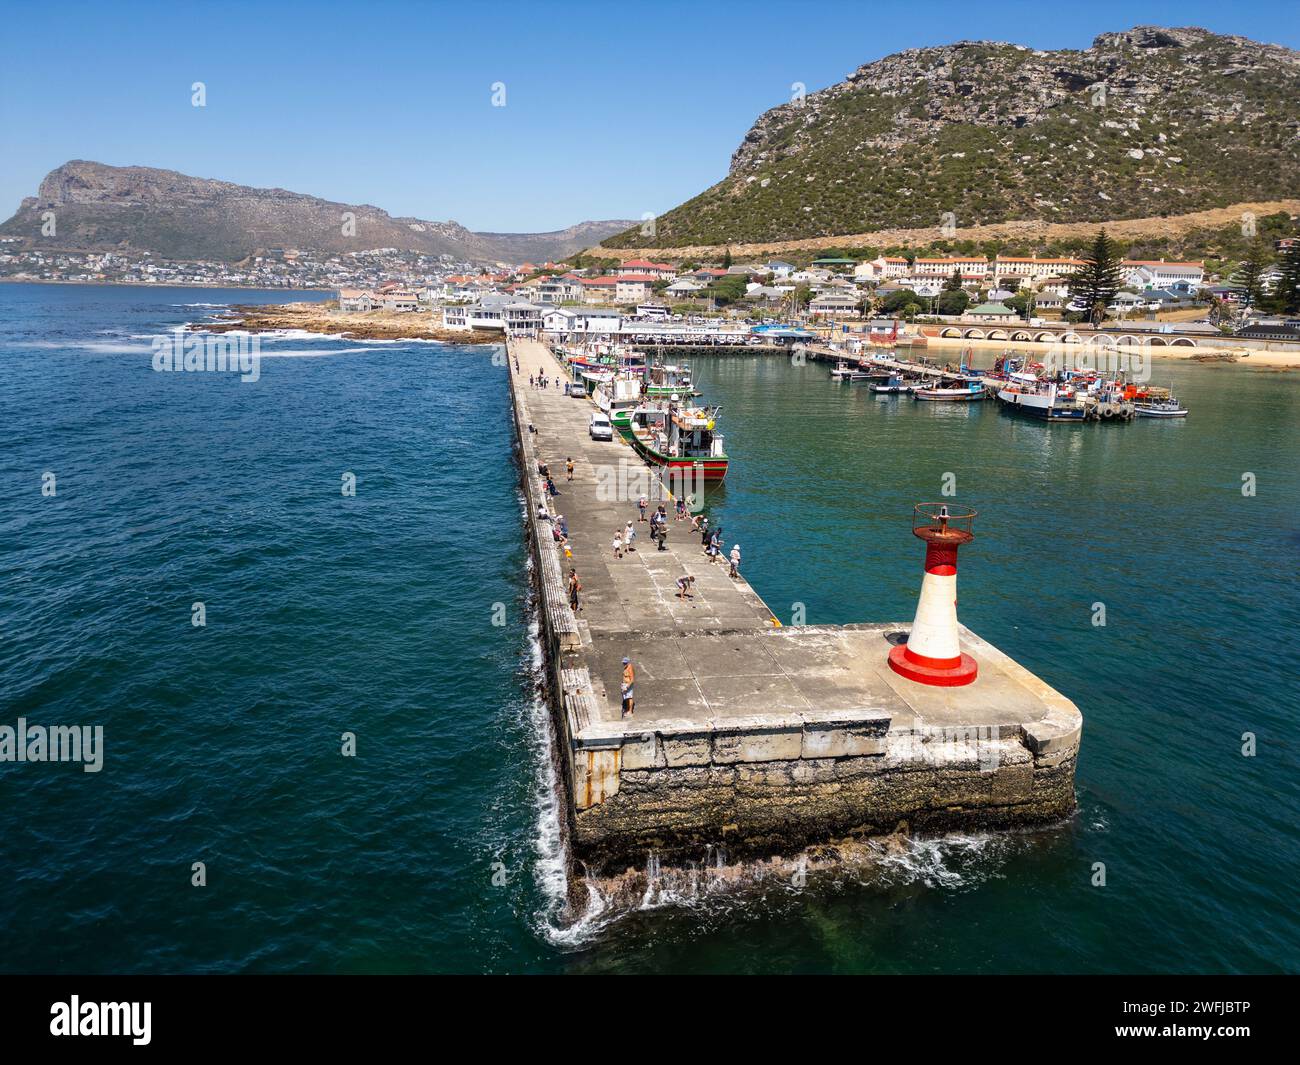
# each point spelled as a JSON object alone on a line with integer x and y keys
{"x": 1148, "y": 122}
{"x": 175, "y": 216}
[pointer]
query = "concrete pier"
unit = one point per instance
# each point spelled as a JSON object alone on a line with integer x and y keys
{"x": 747, "y": 734}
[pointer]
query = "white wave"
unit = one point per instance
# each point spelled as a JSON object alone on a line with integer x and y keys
{"x": 304, "y": 353}
{"x": 200, "y": 304}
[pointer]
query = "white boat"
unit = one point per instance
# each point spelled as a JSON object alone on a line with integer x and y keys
{"x": 967, "y": 393}
{"x": 893, "y": 387}
{"x": 617, "y": 393}
{"x": 1161, "y": 408}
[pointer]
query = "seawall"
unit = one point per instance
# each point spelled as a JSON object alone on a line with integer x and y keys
{"x": 748, "y": 735}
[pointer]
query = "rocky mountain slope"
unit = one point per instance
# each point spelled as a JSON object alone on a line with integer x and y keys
{"x": 175, "y": 216}
{"x": 1147, "y": 122}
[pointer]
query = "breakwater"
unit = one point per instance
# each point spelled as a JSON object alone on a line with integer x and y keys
{"x": 760, "y": 737}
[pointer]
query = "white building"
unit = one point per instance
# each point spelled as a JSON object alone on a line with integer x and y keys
{"x": 834, "y": 304}
{"x": 496, "y": 311}
{"x": 685, "y": 289}
{"x": 973, "y": 269}
{"x": 633, "y": 288}
{"x": 566, "y": 321}
{"x": 1007, "y": 269}
{"x": 882, "y": 268}
{"x": 356, "y": 299}
{"x": 1156, "y": 273}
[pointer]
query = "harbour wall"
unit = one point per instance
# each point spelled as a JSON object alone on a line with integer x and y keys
{"x": 749, "y": 736}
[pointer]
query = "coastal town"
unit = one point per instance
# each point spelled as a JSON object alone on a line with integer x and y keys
{"x": 640, "y": 297}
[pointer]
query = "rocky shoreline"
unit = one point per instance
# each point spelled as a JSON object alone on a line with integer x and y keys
{"x": 328, "y": 319}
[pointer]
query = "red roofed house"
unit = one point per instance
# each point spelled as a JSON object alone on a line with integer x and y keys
{"x": 633, "y": 288}
{"x": 599, "y": 289}
{"x": 644, "y": 266}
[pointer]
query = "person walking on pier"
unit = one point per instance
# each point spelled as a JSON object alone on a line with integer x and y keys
{"x": 704, "y": 531}
{"x": 568, "y": 468}
{"x": 618, "y": 543}
{"x": 663, "y": 533}
{"x": 627, "y": 688}
{"x": 629, "y": 537}
{"x": 734, "y": 572}
{"x": 575, "y": 586}
{"x": 641, "y": 504}
{"x": 681, "y": 508}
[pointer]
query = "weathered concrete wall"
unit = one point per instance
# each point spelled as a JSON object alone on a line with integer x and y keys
{"x": 758, "y": 808}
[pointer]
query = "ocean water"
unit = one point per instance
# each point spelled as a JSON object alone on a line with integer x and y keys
{"x": 436, "y": 847}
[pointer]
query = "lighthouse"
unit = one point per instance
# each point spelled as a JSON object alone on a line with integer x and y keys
{"x": 932, "y": 653}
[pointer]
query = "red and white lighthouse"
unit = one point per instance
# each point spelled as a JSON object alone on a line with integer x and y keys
{"x": 932, "y": 654}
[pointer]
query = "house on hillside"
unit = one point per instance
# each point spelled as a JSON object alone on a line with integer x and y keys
{"x": 641, "y": 267}
{"x": 599, "y": 289}
{"x": 633, "y": 288}
{"x": 685, "y": 289}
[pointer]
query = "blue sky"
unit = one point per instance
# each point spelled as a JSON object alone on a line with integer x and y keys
{"x": 612, "y": 109}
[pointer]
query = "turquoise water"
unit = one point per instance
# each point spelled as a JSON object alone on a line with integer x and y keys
{"x": 435, "y": 848}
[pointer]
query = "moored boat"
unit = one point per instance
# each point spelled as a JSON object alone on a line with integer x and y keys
{"x": 895, "y": 386}
{"x": 967, "y": 393}
{"x": 1161, "y": 408}
{"x": 682, "y": 440}
{"x": 665, "y": 380}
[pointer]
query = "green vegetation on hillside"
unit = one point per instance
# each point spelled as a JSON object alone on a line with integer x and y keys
{"x": 970, "y": 134}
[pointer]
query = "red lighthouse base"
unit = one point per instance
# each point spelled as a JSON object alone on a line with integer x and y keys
{"x": 943, "y": 673}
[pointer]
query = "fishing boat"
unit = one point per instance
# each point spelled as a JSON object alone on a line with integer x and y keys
{"x": 966, "y": 393}
{"x": 666, "y": 380}
{"x": 682, "y": 440}
{"x": 1160, "y": 408}
{"x": 1039, "y": 400}
{"x": 1067, "y": 401}
{"x": 859, "y": 371}
{"x": 895, "y": 386}
{"x": 617, "y": 394}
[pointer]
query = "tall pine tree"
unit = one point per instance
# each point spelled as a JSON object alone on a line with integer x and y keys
{"x": 1249, "y": 274}
{"x": 1097, "y": 281}
{"x": 1286, "y": 296}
